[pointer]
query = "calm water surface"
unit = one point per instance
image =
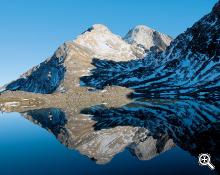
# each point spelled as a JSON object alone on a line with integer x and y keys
{"x": 110, "y": 141}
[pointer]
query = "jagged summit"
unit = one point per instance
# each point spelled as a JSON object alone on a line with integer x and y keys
{"x": 148, "y": 38}
{"x": 97, "y": 27}
{"x": 100, "y": 27}
{"x": 105, "y": 44}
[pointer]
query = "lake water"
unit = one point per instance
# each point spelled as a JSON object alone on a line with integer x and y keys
{"x": 143, "y": 137}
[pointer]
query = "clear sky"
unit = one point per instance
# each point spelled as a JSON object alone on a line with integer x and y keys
{"x": 31, "y": 30}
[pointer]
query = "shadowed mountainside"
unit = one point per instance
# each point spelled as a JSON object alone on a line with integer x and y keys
{"x": 189, "y": 66}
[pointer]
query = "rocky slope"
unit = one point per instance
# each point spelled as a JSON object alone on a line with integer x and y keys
{"x": 62, "y": 71}
{"x": 189, "y": 66}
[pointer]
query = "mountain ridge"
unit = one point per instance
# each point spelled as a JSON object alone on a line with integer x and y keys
{"x": 99, "y": 58}
{"x": 62, "y": 71}
{"x": 189, "y": 66}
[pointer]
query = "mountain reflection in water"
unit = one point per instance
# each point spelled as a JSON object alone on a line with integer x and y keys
{"x": 146, "y": 127}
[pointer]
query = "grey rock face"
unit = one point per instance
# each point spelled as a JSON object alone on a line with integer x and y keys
{"x": 148, "y": 39}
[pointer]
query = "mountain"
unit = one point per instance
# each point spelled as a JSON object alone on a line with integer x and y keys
{"x": 189, "y": 66}
{"x": 61, "y": 72}
{"x": 147, "y": 38}
{"x": 100, "y": 40}
{"x": 99, "y": 58}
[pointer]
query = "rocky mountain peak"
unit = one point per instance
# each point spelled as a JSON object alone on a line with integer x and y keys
{"x": 105, "y": 44}
{"x": 100, "y": 28}
{"x": 148, "y": 38}
{"x": 97, "y": 28}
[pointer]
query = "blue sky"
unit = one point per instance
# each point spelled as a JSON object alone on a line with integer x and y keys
{"x": 30, "y": 31}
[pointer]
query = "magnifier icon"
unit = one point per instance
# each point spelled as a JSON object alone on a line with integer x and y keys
{"x": 205, "y": 160}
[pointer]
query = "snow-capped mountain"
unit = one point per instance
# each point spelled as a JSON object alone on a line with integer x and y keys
{"x": 147, "y": 38}
{"x": 189, "y": 66}
{"x": 105, "y": 45}
{"x": 62, "y": 71}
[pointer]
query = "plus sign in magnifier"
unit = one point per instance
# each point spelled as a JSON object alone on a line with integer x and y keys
{"x": 205, "y": 160}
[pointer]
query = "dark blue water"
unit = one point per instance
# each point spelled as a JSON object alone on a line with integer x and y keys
{"x": 28, "y": 149}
